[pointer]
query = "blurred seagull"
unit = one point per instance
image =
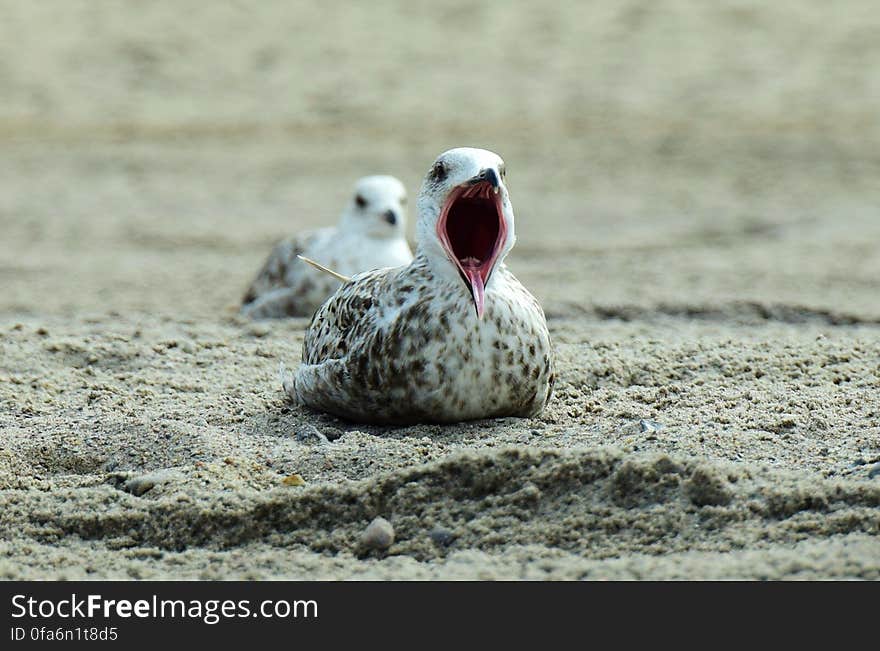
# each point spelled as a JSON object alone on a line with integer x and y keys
{"x": 371, "y": 234}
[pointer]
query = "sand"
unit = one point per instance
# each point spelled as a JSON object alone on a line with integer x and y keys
{"x": 696, "y": 190}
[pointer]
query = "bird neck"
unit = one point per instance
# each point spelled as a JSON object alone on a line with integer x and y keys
{"x": 433, "y": 258}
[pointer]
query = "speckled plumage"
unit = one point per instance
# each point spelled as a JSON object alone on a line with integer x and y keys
{"x": 406, "y": 345}
{"x": 364, "y": 239}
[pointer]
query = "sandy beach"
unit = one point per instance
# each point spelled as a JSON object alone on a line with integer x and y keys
{"x": 697, "y": 192}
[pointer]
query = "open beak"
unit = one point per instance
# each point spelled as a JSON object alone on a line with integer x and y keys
{"x": 472, "y": 230}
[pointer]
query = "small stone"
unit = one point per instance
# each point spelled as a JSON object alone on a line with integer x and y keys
{"x": 294, "y": 480}
{"x": 442, "y": 537}
{"x": 379, "y": 534}
{"x": 310, "y": 434}
{"x": 258, "y": 330}
{"x": 874, "y": 472}
{"x": 649, "y": 425}
{"x": 332, "y": 433}
{"x": 137, "y": 486}
{"x": 141, "y": 484}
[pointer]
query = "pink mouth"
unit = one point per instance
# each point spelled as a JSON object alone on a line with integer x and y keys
{"x": 472, "y": 229}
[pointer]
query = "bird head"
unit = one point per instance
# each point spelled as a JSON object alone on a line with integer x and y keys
{"x": 377, "y": 208}
{"x": 465, "y": 219}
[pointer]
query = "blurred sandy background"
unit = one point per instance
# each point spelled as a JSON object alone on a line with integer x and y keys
{"x": 696, "y": 187}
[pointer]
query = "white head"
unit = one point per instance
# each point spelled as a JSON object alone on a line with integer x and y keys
{"x": 465, "y": 220}
{"x": 377, "y": 208}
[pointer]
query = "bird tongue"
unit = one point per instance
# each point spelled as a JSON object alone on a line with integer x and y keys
{"x": 473, "y": 271}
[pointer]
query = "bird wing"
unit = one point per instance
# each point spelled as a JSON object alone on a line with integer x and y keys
{"x": 281, "y": 269}
{"x": 344, "y": 348}
{"x": 346, "y": 317}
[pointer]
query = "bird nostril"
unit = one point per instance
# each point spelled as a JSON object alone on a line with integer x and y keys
{"x": 390, "y": 217}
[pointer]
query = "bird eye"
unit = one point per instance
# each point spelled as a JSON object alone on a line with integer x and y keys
{"x": 360, "y": 201}
{"x": 439, "y": 171}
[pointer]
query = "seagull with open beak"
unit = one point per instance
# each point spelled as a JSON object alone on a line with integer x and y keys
{"x": 452, "y": 336}
{"x": 475, "y": 222}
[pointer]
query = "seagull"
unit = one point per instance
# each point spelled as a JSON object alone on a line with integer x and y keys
{"x": 453, "y": 335}
{"x": 371, "y": 234}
